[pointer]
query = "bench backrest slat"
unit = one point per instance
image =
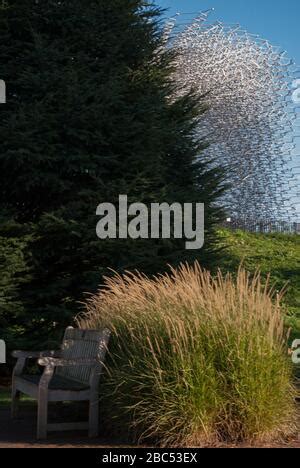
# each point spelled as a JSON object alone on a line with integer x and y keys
{"x": 83, "y": 344}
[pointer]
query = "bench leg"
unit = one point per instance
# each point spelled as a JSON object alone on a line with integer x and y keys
{"x": 15, "y": 397}
{"x": 94, "y": 417}
{"x": 42, "y": 417}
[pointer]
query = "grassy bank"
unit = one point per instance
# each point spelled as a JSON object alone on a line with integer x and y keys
{"x": 275, "y": 253}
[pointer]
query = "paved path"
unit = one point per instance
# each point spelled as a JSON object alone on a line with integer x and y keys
{"x": 21, "y": 433}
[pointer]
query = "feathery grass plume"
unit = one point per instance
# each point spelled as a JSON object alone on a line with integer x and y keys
{"x": 194, "y": 359}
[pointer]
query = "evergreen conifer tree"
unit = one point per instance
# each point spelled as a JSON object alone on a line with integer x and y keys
{"x": 89, "y": 116}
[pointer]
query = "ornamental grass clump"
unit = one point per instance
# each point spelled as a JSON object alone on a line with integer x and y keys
{"x": 194, "y": 359}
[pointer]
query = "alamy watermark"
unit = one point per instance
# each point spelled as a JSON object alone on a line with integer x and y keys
{"x": 296, "y": 93}
{"x": 295, "y": 352}
{"x": 2, "y": 92}
{"x": 2, "y": 352}
{"x": 158, "y": 221}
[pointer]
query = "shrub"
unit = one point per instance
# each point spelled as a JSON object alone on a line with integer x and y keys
{"x": 194, "y": 359}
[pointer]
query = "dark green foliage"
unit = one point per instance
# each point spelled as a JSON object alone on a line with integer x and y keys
{"x": 89, "y": 117}
{"x": 14, "y": 272}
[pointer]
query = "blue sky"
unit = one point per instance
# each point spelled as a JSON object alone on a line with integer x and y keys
{"x": 276, "y": 20}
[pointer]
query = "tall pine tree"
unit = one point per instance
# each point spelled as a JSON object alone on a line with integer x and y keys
{"x": 89, "y": 116}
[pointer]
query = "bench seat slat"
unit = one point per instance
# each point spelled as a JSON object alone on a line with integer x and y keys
{"x": 57, "y": 382}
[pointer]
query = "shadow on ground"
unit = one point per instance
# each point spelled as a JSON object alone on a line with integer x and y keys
{"x": 21, "y": 433}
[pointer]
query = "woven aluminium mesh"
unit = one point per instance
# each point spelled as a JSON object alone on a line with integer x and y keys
{"x": 253, "y": 120}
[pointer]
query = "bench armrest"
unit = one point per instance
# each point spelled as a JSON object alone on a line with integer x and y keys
{"x": 23, "y": 355}
{"x": 52, "y": 362}
{"x": 35, "y": 354}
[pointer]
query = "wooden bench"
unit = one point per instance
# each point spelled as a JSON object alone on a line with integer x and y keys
{"x": 71, "y": 374}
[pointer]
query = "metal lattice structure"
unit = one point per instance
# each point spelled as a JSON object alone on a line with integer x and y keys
{"x": 253, "y": 121}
